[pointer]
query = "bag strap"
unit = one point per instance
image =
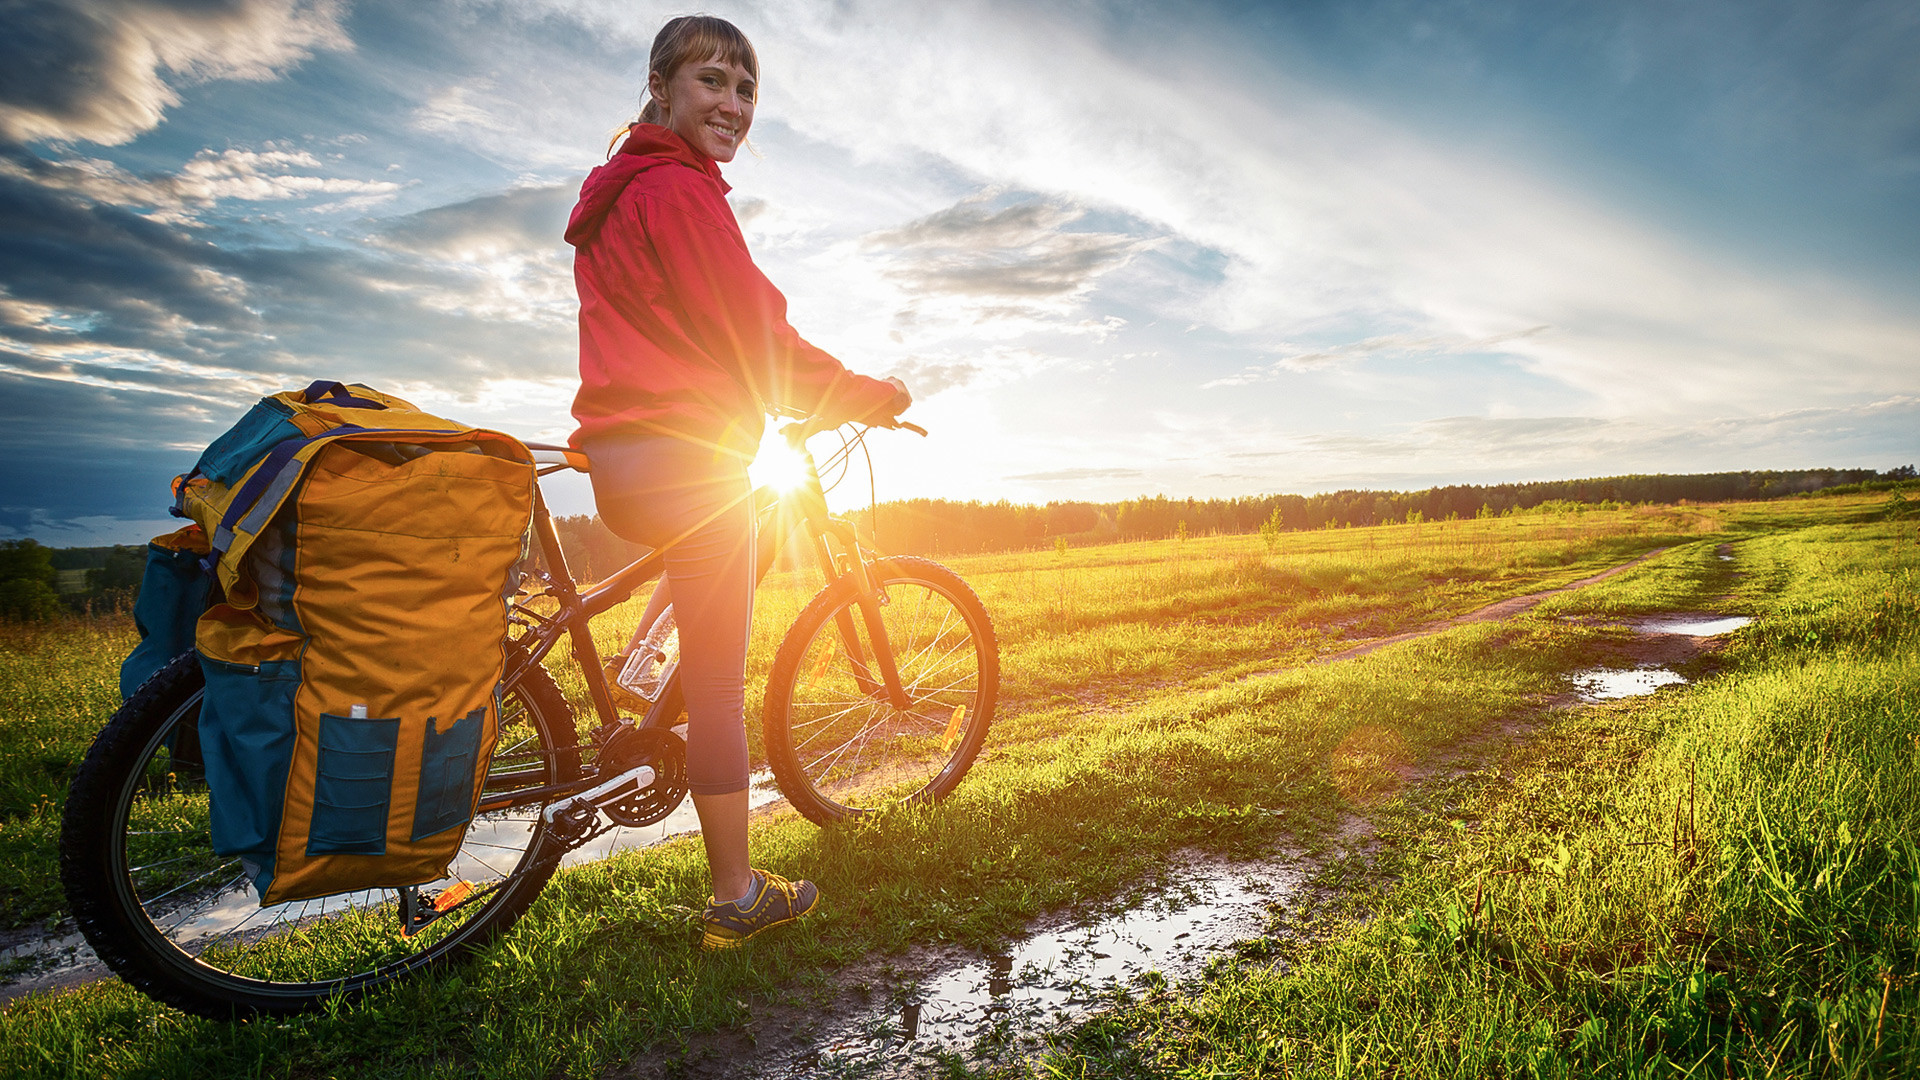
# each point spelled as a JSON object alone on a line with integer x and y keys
{"x": 277, "y": 472}
{"x": 338, "y": 394}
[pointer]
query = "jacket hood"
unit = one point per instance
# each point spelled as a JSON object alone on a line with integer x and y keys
{"x": 648, "y": 146}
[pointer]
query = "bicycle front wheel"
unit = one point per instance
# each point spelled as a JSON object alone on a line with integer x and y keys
{"x": 837, "y": 746}
{"x": 181, "y": 922}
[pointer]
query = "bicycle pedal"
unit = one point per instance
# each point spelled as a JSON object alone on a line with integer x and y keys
{"x": 418, "y": 911}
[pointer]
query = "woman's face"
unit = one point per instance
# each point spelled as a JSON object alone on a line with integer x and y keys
{"x": 709, "y": 104}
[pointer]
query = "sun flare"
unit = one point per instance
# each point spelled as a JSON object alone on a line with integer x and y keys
{"x": 777, "y": 465}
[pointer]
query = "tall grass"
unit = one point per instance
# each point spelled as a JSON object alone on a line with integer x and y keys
{"x": 1722, "y": 881}
{"x": 1091, "y": 626}
{"x": 1076, "y": 806}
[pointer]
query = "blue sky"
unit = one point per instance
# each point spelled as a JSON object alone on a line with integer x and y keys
{"x": 1116, "y": 248}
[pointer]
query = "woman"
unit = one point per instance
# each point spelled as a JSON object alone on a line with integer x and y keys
{"x": 684, "y": 344}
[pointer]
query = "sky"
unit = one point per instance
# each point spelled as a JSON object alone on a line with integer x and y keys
{"x": 1205, "y": 249}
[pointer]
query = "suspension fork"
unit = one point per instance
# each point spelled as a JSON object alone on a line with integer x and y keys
{"x": 868, "y": 598}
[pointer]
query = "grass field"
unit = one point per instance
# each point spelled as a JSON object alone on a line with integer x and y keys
{"x": 1545, "y": 916}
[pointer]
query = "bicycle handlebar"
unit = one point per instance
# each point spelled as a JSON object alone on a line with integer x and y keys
{"x": 799, "y": 433}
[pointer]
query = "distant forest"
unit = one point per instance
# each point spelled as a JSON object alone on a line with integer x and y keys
{"x": 37, "y": 582}
{"x": 946, "y": 527}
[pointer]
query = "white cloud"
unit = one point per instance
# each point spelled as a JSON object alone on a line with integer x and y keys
{"x": 1329, "y": 216}
{"x": 205, "y": 179}
{"x": 94, "y": 71}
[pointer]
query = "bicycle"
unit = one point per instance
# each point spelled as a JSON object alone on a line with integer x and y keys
{"x": 880, "y": 694}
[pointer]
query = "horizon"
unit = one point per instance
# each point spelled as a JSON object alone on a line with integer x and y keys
{"x": 1206, "y": 250}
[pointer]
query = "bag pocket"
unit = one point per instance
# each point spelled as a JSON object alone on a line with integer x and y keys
{"x": 352, "y": 786}
{"x": 447, "y": 763}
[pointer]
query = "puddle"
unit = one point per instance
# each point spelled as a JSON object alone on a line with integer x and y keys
{"x": 1692, "y": 625}
{"x": 1000, "y": 1008}
{"x": 1606, "y": 684}
{"x": 49, "y": 962}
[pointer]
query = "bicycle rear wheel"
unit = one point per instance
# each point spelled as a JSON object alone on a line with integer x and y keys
{"x": 182, "y": 923}
{"x": 837, "y": 747}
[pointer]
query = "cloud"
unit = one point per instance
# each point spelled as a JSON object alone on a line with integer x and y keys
{"x": 925, "y": 378}
{"x": 263, "y": 175}
{"x": 1021, "y": 251}
{"x": 1333, "y": 220}
{"x": 123, "y": 464}
{"x": 1302, "y": 359}
{"x": 93, "y": 71}
{"x": 1546, "y": 447}
{"x": 1079, "y": 474}
{"x": 203, "y": 181}
{"x": 93, "y": 287}
{"x": 529, "y": 219}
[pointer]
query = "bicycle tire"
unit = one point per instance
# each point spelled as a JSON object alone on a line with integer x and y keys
{"x": 301, "y": 956}
{"x": 837, "y": 749}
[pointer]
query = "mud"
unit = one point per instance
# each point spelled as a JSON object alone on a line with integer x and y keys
{"x": 905, "y": 1015}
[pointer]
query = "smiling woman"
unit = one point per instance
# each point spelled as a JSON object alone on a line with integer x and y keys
{"x": 684, "y": 346}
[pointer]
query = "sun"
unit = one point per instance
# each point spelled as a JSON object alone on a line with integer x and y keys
{"x": 777, "y": 465}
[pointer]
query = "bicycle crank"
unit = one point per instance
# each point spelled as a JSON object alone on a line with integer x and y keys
{"x": 647, "y": 779}
{"x": 656, "y": 748}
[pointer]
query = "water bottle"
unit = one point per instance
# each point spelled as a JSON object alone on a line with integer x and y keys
{"x": 648, "y": 666}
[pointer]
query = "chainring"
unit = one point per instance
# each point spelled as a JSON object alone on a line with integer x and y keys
{"x": 631, "y": 747}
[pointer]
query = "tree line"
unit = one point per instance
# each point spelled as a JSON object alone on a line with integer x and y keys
{"x": 39, "y": 582}
{"x": 944, "y": 526}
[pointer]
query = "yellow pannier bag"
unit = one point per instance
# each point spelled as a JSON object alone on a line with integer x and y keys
{"x": 364, "y": 552}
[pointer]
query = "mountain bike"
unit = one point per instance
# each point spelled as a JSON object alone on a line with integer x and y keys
{"x": 880, "y": 695}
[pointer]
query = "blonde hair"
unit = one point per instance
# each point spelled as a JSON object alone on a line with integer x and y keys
{"x": 691, "y": 38}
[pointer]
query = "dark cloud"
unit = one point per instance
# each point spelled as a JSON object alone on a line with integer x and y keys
{"x": 527, "y": 219}
{"x": 973, "y": 224}
{"x": 1023, "y": 251}
{"x": 93, "y": 71}
{"x": 94, "y": 450}
{"x": 78, "y": 271}
{"x": 123, "y": 279}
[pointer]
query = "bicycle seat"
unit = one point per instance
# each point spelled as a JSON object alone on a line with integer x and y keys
{"x": 549, "y": 457}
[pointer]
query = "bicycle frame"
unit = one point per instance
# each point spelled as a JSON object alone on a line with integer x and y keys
{"x": 777, "y": 514}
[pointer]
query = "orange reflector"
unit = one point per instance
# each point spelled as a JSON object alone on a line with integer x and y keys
{"x": 820, "y": 669}
{"x": 953, "y": 728}
{"x": 459, "y": 891}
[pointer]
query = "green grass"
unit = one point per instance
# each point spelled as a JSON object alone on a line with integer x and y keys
{"x": 1097, "y": 626}
{"x": 1718, "y": 881}
{"x": 1077, "y": 806}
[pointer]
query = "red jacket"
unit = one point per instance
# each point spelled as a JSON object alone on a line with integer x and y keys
{"x": 680, "y": 334}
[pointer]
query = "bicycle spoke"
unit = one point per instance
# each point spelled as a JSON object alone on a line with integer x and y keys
{"x": 189, "y": 881}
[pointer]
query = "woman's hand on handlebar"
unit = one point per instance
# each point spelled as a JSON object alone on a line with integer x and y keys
{"x": 902, "y": 397}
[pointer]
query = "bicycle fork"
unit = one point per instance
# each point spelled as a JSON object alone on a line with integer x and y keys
{"x": 869, "y": 599}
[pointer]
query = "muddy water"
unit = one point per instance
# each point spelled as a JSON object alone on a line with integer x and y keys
{"x": 1000, "y": 1007}
{"x": 1602, "y": 684}
{"x": 60, "y": 960}
{"x": 1611, "y": 684}
{"x": 1692, "y": 625}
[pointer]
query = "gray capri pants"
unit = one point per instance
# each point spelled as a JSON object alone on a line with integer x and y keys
{"x": 696, "y": 502}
